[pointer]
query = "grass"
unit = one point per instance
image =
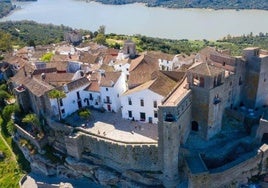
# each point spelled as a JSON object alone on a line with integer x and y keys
{"x": 10, "y": 171}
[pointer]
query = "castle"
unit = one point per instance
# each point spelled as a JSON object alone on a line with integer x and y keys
{"x": 181, "y": 102}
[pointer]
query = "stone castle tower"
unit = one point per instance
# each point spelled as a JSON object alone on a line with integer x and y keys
{"x": 129, "y": 48}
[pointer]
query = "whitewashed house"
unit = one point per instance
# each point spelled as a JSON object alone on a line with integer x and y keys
{"x": 112, "y": 86}
{"x": 75, "y": 98}
{"x": 122, "y": 66}
{"x": 165, "y": 65}
{"x": 92, "y": 95}
{"x": 141, "y": 103}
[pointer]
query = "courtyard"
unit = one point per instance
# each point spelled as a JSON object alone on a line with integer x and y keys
{"x": 110, "y": 125}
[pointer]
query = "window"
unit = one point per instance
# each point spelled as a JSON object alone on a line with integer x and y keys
{"x": 223, "y": 64}
{"x": 90, "y": 97}
{"x": 107, "y": 99}
{"x": 155, "y": 104}
{"x": 129, "y": 101}
{"x": 155, "y": 113}
{"x": 62, "y": 111}
{"x": 240, "y": 81}
{"x": 106, "y": 89}
{"x": 130, "y": 114}
{"x": 61, "y": 102}
{"x": 142, "y": 102}
{"x": 78, "y": 95}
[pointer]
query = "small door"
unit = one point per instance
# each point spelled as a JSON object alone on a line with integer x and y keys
{"x": 142, "y": 116}
{"x": 150, "y": 120}
{"x": 109, "y": 107}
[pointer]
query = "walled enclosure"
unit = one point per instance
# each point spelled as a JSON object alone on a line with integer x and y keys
{"x": 119, "y": 156}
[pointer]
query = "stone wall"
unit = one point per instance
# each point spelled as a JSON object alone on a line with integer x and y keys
{"x": 236, "y": 174}
{"x": 37, "y": 143}
{"x": 113, "y": 154}
{"x": 263, "y": 128}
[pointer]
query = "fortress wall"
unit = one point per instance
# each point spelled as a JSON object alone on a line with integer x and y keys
{"x": 262, "y": 128}
{"x": 235, "y": 175}
{"x": 114, "y": 154}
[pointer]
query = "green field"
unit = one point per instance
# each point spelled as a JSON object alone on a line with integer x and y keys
{"x": 10, "y": 172}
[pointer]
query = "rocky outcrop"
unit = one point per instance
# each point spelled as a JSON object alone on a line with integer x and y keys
{"x": 144, "y": 179}
{"x": 83, "y": 168}
{"x": 107, "y": 177}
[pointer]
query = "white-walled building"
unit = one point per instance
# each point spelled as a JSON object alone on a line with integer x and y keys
{"x": 112, "y": 86}
{"x": 75, "y": 97}
{"x": 165, "y": 65}
{"x": 141, "y": 103}
{"x": 122, "y": 66}
{"x": 93, "y": 94}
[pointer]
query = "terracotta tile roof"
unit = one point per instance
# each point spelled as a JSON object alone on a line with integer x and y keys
{"x": 58, "y": 57}
{"x": 206, "y": 70}
{"x": 56, "y": 79}
{"x": 95, "y": 76}
{"x": 59, "y": 65}
{"x": 76, "y": 84}
{"x": 141, "y": 69}
{"x": 35, "y": 86}
{"x": 161, "y": 85}
{"x": 174, "y": 75}
{"x": 108, "y": 79}
{"x": 160, "y": 55}
{"x": 94, "y": 86}
{"x": 107, "y": 68}
{"x": 108, "y": 58}
{"x": 46, "y": 70}
{"x": 87, "y": 57}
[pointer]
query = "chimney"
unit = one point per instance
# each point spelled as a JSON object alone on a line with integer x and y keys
{"x": 65, "y": 88}
{"x": 31, "y": 74}
{"x": 43, "y": 76}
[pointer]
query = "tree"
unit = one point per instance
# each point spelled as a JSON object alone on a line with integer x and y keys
{"x": 33, "y": 120}
{"x": 8, "y": 110}
{"x": 84, "y": 113}
{"x": 3, "y": 95}
{"x": 101, "y": 29}
{"x": 100, "y": 39}
{"x": 5, "y": 41}
{"x": 56, "y": 94}
{"x": 47, "y": 57}
{"x": 11, "y": 127}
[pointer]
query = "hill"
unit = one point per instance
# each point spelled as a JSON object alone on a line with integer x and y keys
{"x": 213, "y": 4}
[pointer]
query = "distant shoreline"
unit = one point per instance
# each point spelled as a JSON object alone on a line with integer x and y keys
{"x": 178, "y": 6}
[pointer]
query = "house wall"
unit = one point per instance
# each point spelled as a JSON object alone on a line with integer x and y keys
{"x": 148, "y": 97}
{"x": 70, "y": 102}
{"x": 165, "y": 65}
{"x": 95, "y": 101}
{"x": 114, "y": 94}
{"x": 123, "y": 68}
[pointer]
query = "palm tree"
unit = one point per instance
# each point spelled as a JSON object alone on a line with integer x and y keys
{"x": 56, "y": 94}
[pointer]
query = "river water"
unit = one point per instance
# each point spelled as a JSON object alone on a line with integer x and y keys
{"x": 139, "y": 19}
